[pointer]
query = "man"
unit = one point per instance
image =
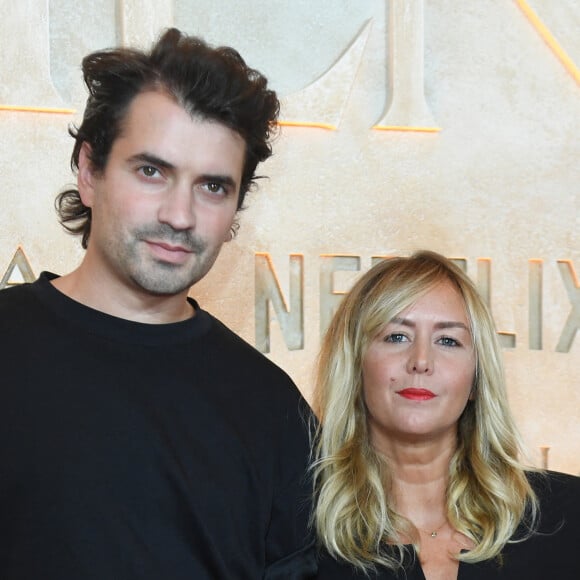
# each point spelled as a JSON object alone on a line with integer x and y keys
{"x": 139, "y": 437}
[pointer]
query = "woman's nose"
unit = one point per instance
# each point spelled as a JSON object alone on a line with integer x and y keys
{"x": 421, "y": 359}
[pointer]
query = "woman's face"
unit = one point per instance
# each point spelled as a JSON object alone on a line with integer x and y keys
{"x": 419, "y": 371}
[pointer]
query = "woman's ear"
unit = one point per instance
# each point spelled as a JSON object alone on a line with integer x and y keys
{"x": 86, "y": 175}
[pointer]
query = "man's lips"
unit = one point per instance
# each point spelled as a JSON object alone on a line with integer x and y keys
{"x": 417, "y": 394}
{"x": 169, "y": 252}
{"x": 170, "y": 247}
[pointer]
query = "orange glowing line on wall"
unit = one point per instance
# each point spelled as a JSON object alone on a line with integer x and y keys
{"x": 328, "y": 127}
{"x": 37, "y": 110}
{"x": 407, "y": 129}
{"x": 306, "y": 124}
{"x": 550, "y": 40}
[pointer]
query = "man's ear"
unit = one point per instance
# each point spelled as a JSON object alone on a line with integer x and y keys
{"x": 233, "y": 231}
{"x": 86, "y": 176}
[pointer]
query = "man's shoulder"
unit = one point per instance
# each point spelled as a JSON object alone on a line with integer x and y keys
{"x": 20, "y": 313}
{"x": 245, "y": 365}
{"x": 15, "y": 292}
{"x": 233, "y": 343}
{"x": 15, "y": 299}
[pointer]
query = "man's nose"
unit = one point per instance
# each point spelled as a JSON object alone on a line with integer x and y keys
{"x": 177, "y": 208}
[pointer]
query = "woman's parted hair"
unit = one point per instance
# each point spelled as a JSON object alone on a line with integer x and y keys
{"x": 488, "y": 494}
{"x": 212, "y": 83}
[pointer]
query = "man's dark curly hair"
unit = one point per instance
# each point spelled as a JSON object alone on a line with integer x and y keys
{"x": 212, "y": 83}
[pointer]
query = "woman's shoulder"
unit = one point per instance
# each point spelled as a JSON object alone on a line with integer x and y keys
{"x": 550, "y": 551}
{"x": 559, "y": 503}
{"x": 549, "y": 485}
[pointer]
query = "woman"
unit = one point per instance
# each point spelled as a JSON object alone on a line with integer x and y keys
{"x": 417, "y": 469}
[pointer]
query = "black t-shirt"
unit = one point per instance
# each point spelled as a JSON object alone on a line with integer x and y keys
{"x": 144, "y": 451}
{"x": 550, "y": 554}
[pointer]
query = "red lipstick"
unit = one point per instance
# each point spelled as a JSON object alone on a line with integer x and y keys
{"x": 417, "y": 394}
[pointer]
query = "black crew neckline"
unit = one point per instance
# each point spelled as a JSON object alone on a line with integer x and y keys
{"x": 115, "y": 328}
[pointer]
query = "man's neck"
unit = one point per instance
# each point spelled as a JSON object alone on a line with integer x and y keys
{"x": 118, "y": 300}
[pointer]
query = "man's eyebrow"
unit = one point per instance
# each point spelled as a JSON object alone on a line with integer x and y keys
{"x": 438, "y": 325}
{"x": 152, "y": 159}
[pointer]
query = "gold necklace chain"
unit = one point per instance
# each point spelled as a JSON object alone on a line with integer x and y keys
{"x": 435, "y": 532}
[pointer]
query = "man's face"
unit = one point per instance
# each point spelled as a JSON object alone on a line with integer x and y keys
{"x": 166, "y": 200}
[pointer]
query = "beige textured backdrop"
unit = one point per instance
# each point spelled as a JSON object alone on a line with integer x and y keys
{"x": 500, "y": 181}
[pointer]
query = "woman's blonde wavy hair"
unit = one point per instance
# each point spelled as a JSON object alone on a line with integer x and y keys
{"x": 488, "y": 495}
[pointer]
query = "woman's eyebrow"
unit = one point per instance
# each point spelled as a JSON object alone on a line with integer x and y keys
{"x": 438, "y": 325}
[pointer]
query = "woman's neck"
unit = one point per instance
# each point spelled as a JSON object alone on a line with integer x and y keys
{"x": 419, "y": 479}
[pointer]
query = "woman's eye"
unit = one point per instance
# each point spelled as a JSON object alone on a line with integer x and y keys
{"x": 448, "y": 341}
{"x": 395, "y": 337}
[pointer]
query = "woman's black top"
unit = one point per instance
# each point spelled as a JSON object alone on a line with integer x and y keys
{"x": 552, "y": 553}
